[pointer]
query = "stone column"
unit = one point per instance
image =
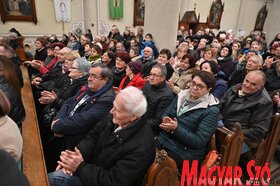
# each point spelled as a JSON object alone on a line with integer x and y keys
{"x": 161, "y": 20}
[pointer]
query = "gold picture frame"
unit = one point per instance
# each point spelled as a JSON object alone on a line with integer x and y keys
{"x": 16, "y": 10}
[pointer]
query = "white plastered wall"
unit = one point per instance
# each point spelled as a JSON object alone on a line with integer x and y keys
{"x": 238, "y": 14}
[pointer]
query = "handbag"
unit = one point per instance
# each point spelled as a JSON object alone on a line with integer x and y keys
{"x": 211, "y": 159}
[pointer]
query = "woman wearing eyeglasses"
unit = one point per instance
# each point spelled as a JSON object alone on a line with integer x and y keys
{"x": 190, "y": 121}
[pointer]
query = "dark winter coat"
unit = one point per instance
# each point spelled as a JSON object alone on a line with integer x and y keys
{"x": 116, "y": 158}
{"x": 272, "y": 80}
{"x": 226, "y": 65}
{"x": 195, "y": 128}
{"x": 86, "y": 116}
{"x": 253, "y": 112}
{"x": 147, "y": 66}
{"x": 118, "y": 76}
{"x": 159, "y": 98}
{"x": 220, "y": 86}
{"x": 17, "y": 112}
{"x": 237, "y": 77}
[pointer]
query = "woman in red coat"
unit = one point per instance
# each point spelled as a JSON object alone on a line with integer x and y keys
{"x": 133, "y": 76}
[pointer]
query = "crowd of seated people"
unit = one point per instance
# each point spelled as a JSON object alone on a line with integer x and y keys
{"x": 85, "y": 92}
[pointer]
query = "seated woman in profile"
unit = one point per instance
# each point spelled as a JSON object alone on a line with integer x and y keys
{"x": 190, "y": 121}
{"x": 133, "y": 76}
{"x": 11, "y": 139}
{"x": 221, "y": 85}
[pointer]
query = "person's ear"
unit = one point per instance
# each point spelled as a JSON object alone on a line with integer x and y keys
{"x": 134, "y": 117}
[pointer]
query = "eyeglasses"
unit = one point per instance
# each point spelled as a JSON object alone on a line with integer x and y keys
{"x": 93, "y": 76}
{"x": 74, "y": 68}
{"x": 225, "y": 49}
{"x": 198, "y": 86}
{"x": 155, "y": 75}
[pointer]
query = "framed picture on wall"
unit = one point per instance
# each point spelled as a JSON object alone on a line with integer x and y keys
{"x": 139, "y": 12}
{"x": 18, "y": 10}
{"x": 261, "y": 19}
{"x": 215, "y": 15}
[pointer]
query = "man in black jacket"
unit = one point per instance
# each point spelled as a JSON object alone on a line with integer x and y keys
{"x": 148, "y": 62}
{"x": 250, "y": 105}
{"x": 158, "y": 95}
{"x": 253, "y": 63}
{"x": 118, "y": 151}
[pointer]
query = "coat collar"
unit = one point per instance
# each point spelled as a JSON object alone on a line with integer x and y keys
{"x": 251, "y": 97}
{"x": 100, "y": 91}
{"x": 123, "y": 135}
{"x": 182, "y": 96}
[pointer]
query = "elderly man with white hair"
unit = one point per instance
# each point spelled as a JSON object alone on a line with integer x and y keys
{"x": 254, "y": 63}
{"x": 118, "y": 151}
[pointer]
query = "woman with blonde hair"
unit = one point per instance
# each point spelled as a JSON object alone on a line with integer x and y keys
{"x": 181, "y": 51}
{"x": 207, "y": 55}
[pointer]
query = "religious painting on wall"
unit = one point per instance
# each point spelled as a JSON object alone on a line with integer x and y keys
{"x": 261, "y": 19}
{"x": 215, "y": 15}
{"x": 139, "y": 12}
{"x": 18, "y": 10}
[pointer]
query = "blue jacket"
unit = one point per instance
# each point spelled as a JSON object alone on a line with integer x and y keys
{"x": 195, "y": 128}
{"x": 149, "y": 44}
{"x": 220, "y": 86}
{"x": 87, "y": 115}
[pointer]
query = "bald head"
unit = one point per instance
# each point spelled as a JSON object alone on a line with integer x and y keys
{"x": 253, "y": 82}
{"x": 148, "y": 52}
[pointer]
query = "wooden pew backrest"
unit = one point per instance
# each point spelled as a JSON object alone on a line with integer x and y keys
{"x": 163, "y": 172}
{"x": 268, "y": 145}
{"x": 33, "y": 157}
{"x": 229, "y": 144}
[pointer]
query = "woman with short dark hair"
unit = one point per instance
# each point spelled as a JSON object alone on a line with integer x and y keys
{"x": 190, "y": 121}
{"x": 182, "y": 75}
{"x": 221, "y": 85}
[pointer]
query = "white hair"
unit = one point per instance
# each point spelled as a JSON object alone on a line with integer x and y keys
{"x": 258, "y": 58}
{"x": 135, "y": 101}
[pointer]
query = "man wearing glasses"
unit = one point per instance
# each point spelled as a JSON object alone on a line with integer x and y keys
{"x": 79, "y": 114}
{"x": 158, "y": 95}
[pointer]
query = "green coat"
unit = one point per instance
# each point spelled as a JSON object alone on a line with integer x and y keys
{"x": 195, "y": 128}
